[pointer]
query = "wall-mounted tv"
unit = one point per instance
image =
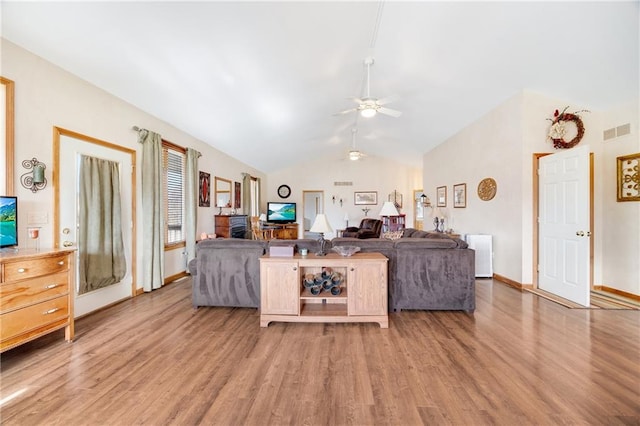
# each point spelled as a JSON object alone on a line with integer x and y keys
{"x": 281, "y": 212}
{"x": 8, "y": 221}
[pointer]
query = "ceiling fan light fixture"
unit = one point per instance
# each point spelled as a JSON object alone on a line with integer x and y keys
{"x": 368, "y": 112}
{"x": 354, "y": 155}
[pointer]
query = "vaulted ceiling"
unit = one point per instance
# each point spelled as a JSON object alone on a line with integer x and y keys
{"x": 262, "y": 81}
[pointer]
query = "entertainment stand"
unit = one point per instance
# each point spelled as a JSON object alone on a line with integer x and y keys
{"x": 283, "y": 231}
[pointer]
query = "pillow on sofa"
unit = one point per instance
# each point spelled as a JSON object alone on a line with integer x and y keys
{"x": 393, "y": 235}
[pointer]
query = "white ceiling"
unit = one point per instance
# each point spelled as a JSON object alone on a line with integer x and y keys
{"x": 262, "y": 80}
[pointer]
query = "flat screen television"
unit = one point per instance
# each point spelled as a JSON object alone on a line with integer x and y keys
{"x": 281, "y": 212}
{"x": 8, "y": 221}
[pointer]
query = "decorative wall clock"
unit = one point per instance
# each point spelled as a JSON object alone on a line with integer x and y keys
{"x": 284, "y": 191}
{"x": 487, "y": 189}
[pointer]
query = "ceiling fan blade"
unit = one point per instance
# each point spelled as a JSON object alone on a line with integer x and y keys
{"x": 387, "y": 100}
{"x": 389, "y": 111}
{"x": 356, "y": 100}
{"x": 347, "y": 111}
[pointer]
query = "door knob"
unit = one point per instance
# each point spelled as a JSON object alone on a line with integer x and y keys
{"x": 580, "y": 233}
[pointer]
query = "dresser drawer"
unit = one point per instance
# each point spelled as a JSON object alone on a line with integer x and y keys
{"x": 35, "y": 267}
{"x": 30, "y": 318}
{"x": 27, "y": 292}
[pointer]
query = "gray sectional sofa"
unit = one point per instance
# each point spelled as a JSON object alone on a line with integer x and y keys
{"x": 427, "y": 270}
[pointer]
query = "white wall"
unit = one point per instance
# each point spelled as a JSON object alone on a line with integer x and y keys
{"x": 368, "y": 174}
{"x": 501, "y": 145}
{"x": 47, "y": 96}
{"x": 620, "y": 220}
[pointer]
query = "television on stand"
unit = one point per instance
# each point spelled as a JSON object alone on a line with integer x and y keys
{"x": 281, "y": 212}
{"x": 8, "y": 221}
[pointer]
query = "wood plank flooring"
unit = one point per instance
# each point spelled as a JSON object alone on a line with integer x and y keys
{"x": 518, "y": 360}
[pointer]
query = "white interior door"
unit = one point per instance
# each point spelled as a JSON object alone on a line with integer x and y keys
{"x": 71, "y": 149}
{"x": 564, "y": 224}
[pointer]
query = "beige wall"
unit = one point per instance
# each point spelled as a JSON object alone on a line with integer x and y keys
{"x": 368, "y": 174}
{"x": 47, "y": 96}
{"x": 501, "y": 145}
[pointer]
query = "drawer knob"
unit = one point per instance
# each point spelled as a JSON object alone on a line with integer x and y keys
{"x": 22, "y": 270}
{"x": 50, "y": 311}
{"x": 61, "y": 263}
{"x": 295, "y": 268}
{"x": 50, "y": 286}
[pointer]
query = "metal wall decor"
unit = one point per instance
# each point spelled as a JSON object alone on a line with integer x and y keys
{"x": 487, "y": 189}
{"x": 629, "y": 177}
{"x": 34, "y": 179}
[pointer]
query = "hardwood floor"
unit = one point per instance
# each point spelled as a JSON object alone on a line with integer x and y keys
{"x": 518, "y": 360}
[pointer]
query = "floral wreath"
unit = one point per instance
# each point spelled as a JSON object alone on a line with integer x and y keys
{"x": 558, "y": 129}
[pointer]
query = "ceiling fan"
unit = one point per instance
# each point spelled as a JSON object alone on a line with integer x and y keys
{"x": 354, "y": 154}
{"x": 369, "y": 106}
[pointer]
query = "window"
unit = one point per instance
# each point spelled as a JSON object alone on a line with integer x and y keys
{"x": 173, "y": 165}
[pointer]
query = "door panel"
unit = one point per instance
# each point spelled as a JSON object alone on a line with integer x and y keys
{"x": 70, "y": 150}
{"x": 564, "y": 224}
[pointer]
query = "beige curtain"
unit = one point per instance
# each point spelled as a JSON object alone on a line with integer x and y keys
{"x": 191, "y": 202}
{"x": 152, "y": 217}
{"x": 101, "y": 251}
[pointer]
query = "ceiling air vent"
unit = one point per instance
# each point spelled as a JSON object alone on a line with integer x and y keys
{"x": 342, "y": 183}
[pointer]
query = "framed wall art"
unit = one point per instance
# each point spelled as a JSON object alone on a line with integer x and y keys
{"x": 460, "y": 195}
{"x": 204, "y": 197}
{"x": 629, "y": 177}
{"x": 236, "y": 195}
{"x": 365, "y": 198}
{"x": 441, "y": 196}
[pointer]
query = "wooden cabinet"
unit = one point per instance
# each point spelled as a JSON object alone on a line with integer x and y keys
{"x": 231, "y": 226}
{"x": 363, "y": 295}
{"x": 36, "y": 295}
{"x": 393, "y": 223}
{"x": 286, "y": 232}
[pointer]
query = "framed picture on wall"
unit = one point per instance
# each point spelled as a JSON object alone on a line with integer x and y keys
{"x": 204, "y": 197}
{"x": 460, "y": 195}
{"x": 628, "y": 167}
{"x": 365, "y": 198}
{"x": 236, "y": 195}
{"x": 441, "y": 196}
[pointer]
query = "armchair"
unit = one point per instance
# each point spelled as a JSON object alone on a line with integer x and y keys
{"x": 369, "y": 228}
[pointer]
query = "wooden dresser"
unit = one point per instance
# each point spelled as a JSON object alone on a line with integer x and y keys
{"x": 231, "y": 226}
{"x": 36, "y": 295}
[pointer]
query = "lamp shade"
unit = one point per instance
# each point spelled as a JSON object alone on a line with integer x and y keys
{"x": 388, "y": 209}
{"x": 263, "y": 217}
{"x": 346, "y": 217}
{"x": 321, "y": 224}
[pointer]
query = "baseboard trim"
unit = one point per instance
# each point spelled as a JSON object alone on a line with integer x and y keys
{"x": 175, "y": 277}
{"x": 167, "y": 280}
{"x": 622, "y": 293}
{"x": 510, "y": 282}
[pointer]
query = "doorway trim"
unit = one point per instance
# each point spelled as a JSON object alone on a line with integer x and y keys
{"x": 59, "y": 131}
{"x": 534, "y": 218}
{"x": 319, "y": 210}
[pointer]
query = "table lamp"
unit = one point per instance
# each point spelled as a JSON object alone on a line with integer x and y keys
{"x": 262, "y": 218}
{"x": 321, "y": 226}
{"x": 388, "y": 209}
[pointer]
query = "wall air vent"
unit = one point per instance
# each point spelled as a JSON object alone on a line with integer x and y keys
{"x": 342, "y": 183}
{"x": 616, "y": 132}
{"x": 609, "y": 134}
{"x": 625, "y": 129}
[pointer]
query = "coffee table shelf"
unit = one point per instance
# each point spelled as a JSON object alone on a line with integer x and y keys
{"x": 363, "y": 296}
